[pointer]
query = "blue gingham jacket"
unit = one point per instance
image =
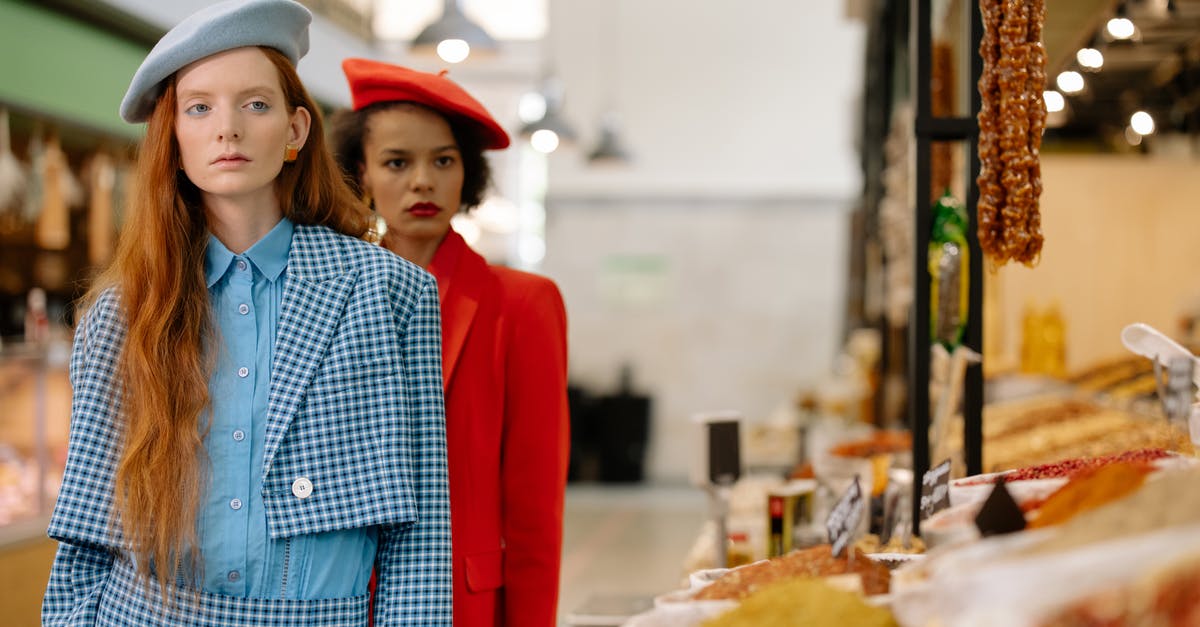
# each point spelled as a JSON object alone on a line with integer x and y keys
{"x": 355, "y": 407}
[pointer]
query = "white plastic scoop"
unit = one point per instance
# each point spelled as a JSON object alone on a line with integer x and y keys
{"x": 1149, "y": 342}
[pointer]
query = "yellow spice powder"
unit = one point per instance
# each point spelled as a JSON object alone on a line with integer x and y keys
{"x": 805, "y": 602}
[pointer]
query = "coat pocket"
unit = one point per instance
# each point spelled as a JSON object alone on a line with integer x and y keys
{"x": 485, "y": 570}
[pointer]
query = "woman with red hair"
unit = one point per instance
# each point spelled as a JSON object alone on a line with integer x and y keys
{"x": 257, "y": 418}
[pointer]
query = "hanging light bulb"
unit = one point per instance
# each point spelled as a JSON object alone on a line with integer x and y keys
{"x": 1121, "y": 28}
{"x": 1054, "y": 101}
{"x": 1142, "y": 123}
{"x": 544, "y": 140}
{"x": 549, "y": 131}
{"x": 1057, "y": 113}
{"x": 1090, "y": 58}
{"x": 532, "y": 107}
{"x": 453, "y": 35}
{"x": 1071, "y": 82}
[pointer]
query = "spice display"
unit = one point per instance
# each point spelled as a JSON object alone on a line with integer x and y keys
{"x": 879, "y": 451}
{"x": 1089, "y": 489}
{"x": 803, "y": 602}
{"x": 870, "y": 543}
{"x": 1011, "y": 119}
{"x": 879, "y": 443}
{"x": 1017, "y": 418}
{"x": 1038, "y": 431}
{"x": 1073, "y": 467}
{"x": 1171, "y": 499}
{"x": 817, "y": 561}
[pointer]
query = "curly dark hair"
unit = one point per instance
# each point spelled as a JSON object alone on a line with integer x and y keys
{"x": 348, "y": 130}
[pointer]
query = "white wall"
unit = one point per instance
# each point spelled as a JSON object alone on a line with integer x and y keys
{"x": 715, "y": 263}
{"x": 745, "y": 97}
{"x": 716, "y": 304}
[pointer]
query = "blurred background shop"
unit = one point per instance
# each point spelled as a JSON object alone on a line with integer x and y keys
{"x": 727, "y": 195}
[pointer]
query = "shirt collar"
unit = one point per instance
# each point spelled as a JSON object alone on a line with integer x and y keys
{"x": 269, "y": 254}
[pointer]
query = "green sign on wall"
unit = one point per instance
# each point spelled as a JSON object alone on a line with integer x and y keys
{"x": 63, "y": 68}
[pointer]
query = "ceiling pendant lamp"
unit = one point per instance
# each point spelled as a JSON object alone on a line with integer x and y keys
{"x": 609, "y": 150}
{"x": 550, "y": 130}
{"x": 453, "y": 35}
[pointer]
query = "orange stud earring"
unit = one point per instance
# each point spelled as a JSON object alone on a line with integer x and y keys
{"x": 290, "y": 152}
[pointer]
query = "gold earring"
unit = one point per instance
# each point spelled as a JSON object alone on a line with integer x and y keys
{"x": 378, "y": 227}
{"x": 290, "y": 152}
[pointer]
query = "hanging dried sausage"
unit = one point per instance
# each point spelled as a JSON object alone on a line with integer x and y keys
{"x": 1011, "y": 120}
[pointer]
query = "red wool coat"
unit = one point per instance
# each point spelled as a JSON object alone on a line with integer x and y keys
{"x": 504, "y": 363}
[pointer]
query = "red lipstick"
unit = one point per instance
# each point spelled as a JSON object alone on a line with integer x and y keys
{"x": 424, "y": 210}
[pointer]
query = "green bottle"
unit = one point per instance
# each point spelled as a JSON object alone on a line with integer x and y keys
{"x": 948, "y": 272}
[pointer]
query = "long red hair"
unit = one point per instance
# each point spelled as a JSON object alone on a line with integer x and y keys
{"x": 168, "y": 356}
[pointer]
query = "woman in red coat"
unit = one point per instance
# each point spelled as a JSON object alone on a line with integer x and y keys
{"x": 413, "y": 145}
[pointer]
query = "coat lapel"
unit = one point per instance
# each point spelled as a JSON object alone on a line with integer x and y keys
{"x": 461, "y": 284}
{"x": 458, "y": 311}
{"x": 314, "y": 298}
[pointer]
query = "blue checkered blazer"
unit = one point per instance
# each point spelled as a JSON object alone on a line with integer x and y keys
{"x": 355, "y": 407}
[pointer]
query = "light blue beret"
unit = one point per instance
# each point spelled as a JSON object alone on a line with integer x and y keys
{"x": 278, "y": 24}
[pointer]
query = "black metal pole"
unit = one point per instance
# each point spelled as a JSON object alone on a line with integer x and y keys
{"x": 929, "y": 129}
{"x": 973, "y": 394}
{"x": 918, "y": 324}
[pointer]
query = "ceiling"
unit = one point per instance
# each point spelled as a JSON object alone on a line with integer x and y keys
{"x": 1159, "y": 73}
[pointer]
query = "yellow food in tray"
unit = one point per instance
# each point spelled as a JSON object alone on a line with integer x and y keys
{"x": 1107, "y": 374}
{"x": 808, "y": 602}
{"x": 1043, "y": 430}
{"x": 1143, "y": 385}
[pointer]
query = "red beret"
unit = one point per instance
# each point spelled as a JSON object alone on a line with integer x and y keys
{"x": 373, "y": 81}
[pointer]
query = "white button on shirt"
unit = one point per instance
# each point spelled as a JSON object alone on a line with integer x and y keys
{"x": 243, "y": 309}
{"x": 302, "y": 487}
{"x": 235, "y": 504}
{"x": 239, "y": 435}
{"x": 241, "y": 265}
{"x": 243, "y": 372}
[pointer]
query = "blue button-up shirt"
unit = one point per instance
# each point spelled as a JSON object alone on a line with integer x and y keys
{"x": 240, "y": 559}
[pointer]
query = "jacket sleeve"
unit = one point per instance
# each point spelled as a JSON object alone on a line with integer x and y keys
{"x": 77, "y": 578}
{"x": 534, "y": 458}
{"x": 413, "y": 585}
{"x": 80, "y": 570}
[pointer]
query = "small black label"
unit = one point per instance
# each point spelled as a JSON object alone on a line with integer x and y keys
{"x": 1000, "y": 513}
{"x": 935, "y": 490}
{"x": 843, "y": 520}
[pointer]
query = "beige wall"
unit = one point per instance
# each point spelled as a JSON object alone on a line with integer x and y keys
{"x": 1121, "y": 234}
